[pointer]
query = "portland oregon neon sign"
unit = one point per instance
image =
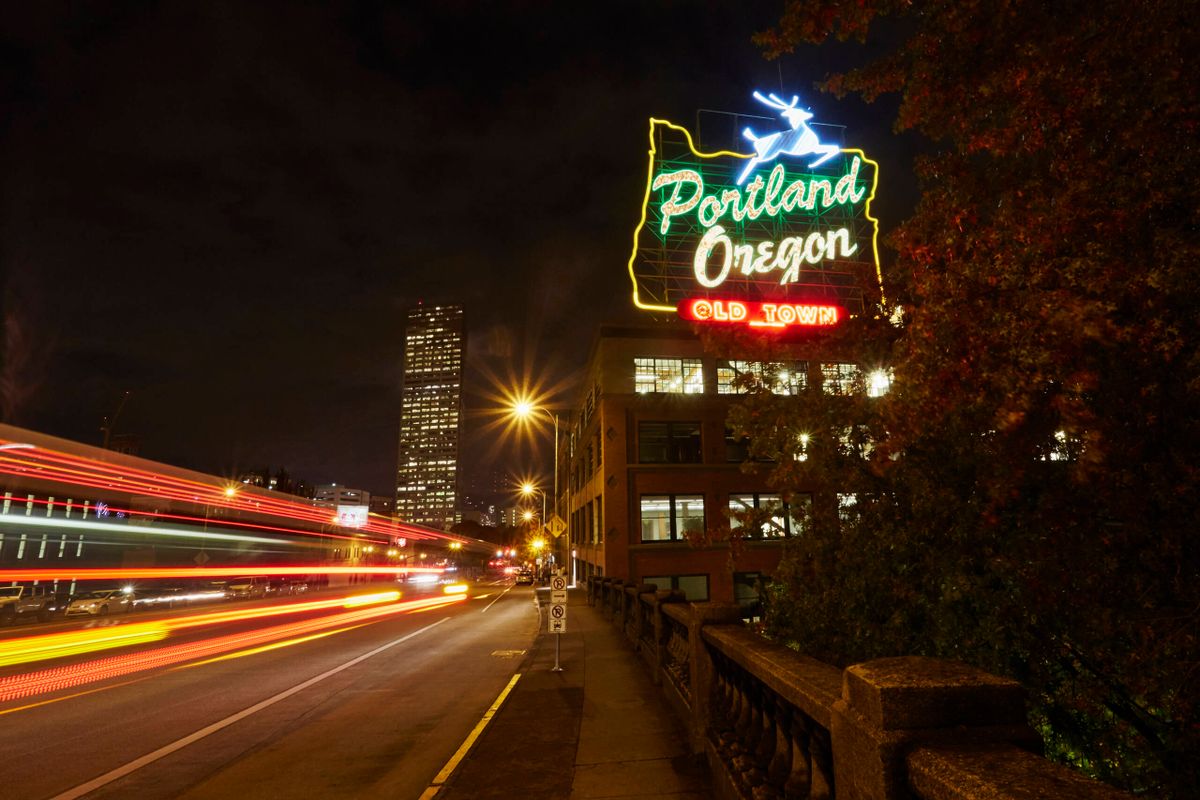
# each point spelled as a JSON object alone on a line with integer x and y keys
{"x": 781, "y": 237}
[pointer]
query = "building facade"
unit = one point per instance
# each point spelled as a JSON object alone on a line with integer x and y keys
{"x": 430, "y": 415}
{"x": 332, "y": 495}
{"x": 657, "y": 481}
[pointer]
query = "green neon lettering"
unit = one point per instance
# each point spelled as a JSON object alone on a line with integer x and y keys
{"x": 752, "y": 191}
{"x": 715, "y": 236}
{"x": 774, "y": 185}
{"x": 846, "y": 191}
{"x": 672, "y": 207}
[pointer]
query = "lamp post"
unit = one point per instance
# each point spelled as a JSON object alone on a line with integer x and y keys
{"x": 524, "y": 409}
{"x": 527, "y": 489}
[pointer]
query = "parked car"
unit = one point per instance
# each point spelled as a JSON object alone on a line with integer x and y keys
{"x": 26, "y": 601}
{"x": 101, "y": 602}
{"x": 524, "y": 578}
{"x": 246, "y": 588}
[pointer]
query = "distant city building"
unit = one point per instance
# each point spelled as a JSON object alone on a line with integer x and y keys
{"x": 332, "y": 495}
{"x": 278, "y": 481}
{"x": 382, "y": 505}
{"x": 430, "y": 414}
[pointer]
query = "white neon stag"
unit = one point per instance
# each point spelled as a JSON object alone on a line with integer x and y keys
{"x": 800, "y": 140}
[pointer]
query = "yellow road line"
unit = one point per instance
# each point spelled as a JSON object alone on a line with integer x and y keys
{"x": 465, "y": 747}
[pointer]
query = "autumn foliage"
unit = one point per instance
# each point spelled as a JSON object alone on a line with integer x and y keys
{"x": 1027, "y": 493}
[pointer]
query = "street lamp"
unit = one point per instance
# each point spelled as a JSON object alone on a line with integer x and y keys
{"x": 524, "y": 408}
{"x": 527, "y": 489}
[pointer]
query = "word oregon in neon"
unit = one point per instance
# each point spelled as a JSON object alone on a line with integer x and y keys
{"x": 792, "y": 252}
{"x": 789, "y": 222}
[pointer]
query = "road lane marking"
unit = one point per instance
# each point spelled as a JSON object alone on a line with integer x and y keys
{"x": 179, "y": 744}
{"x": 489, "y": 605}
{"x": 458, "y": 756}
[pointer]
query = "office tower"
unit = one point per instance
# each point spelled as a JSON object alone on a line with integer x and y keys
{"x": 430, "y": 413}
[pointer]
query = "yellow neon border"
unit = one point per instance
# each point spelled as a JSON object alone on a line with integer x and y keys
{"x": 728, "y": 153}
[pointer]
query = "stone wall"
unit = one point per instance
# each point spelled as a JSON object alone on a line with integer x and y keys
{"x": 774, "y": 723}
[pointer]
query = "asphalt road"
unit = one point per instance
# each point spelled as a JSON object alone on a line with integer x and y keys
{"x": 363, "y": 709}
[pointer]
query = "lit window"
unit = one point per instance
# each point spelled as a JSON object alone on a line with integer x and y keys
{"x": 668, "y": 375}
{"x": 840, "y": 378}
{"x": 773, "y": 517}
{"x": 781, "y": 377}
{"x": 671, "y": 517}
{"x": 879, "y": 381}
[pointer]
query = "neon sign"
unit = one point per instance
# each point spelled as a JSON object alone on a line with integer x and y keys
{"x": 760, "y": 315}
{"x": 785, "y": 227}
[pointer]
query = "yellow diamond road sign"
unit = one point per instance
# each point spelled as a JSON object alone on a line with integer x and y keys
{"x": 557, "y": 526}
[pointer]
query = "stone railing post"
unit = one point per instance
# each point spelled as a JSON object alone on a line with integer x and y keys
{"x": 639, "y": 618}
{"x": 618, "y": 601}
{"x": 661, "y": 598}
{"x": 890, "y": 705}
{"x": 700, "y": 665}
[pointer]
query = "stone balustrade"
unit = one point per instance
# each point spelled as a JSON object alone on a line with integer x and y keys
{"x": 773, "y": 723}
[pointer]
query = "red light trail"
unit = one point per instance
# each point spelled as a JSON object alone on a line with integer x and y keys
{"x": 22, "y": 460}
{"x": 49, "y": 680}
{"x": 198, "y": 573}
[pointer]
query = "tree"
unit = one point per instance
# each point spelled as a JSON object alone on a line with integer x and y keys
{"x": 1027, "y": 493}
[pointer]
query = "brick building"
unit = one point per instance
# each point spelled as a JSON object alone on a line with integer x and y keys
{"x": 649, "y": 460}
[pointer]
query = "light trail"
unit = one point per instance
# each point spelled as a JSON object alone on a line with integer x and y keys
{"x": 111, "y": 528}
{"x": 202, "y": 573}
{"x": 54, "y": 679}
{"x": 44, "y": 647}
{"x": 210, "y": 522}
{"x": 32, "y": 461}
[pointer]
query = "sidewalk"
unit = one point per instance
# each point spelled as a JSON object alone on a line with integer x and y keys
{"x": 598, "y": 729}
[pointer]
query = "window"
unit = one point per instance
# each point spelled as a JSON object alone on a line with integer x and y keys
{"x": 669, "y": 443}
{"x": 879, "y": 381}
{"x": 775, "y": 518}
{"x": 737, "y": 448}
{"x": 846, "y": 506}
{"x": 694, "y": 587}
{"x": 840, "y": 378}
{"x": 670, "y": 517}
{"x": 673, "y": 375}
{"x": 782, "y": 377}
{"x": 855, "y": 440}
{"x": 656, "y": 519}
{"x": 745, "y": 587}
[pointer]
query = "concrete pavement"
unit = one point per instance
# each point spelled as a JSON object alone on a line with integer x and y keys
{"x": 598, "y": 729}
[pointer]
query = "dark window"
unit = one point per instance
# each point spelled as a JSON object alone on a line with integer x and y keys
{"x": 694, "y": 587}
{"x": 669, "y": 443}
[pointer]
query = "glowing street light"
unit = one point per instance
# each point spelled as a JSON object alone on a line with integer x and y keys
{"x": 528, "y": 490}
{"x": 524, "y": 408}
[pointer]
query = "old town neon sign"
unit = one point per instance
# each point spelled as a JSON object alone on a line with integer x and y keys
{"x": 780, "y": 228}
{"x": 760, "y": 314}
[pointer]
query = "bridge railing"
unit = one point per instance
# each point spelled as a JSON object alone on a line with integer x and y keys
{"x": 777, "y": 724}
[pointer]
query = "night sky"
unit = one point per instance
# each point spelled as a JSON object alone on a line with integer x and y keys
{"x": 224, "y": 208}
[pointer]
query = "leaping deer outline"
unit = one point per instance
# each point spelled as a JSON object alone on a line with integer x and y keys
{"x": 800, "y": 140}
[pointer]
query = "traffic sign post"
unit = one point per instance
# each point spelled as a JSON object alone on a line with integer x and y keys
{"x": 557, "y": 618}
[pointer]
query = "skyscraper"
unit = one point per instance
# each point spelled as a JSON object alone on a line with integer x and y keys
{"x": 430, "y": 413}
